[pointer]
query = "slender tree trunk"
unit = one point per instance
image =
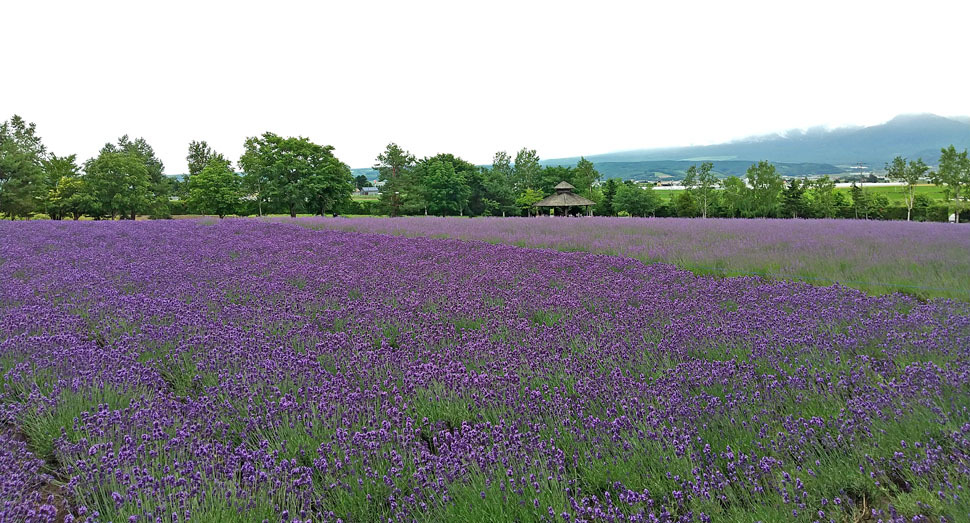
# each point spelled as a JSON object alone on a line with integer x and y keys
{"x": 292, "y": 211}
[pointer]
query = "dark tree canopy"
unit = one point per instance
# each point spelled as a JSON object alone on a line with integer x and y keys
{"x": 295, "y": 173}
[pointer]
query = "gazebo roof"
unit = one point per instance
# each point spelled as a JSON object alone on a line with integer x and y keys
{"x": 564, "y": 199}
{"x": 564, "y": 185}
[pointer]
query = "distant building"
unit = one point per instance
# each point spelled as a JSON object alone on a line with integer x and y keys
{"x": 366, "y": 191}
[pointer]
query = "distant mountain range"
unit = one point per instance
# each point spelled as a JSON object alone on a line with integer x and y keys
{"x": 798, "y": 152}
{"x": 794, "y": 153}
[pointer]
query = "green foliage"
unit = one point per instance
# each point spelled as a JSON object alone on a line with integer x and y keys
{"x": 704, "y": 183}
{"x": 22, "y": 155}
{"x": 822, "y": 198}
{"x": 527, "y": 199}
{"x": 215, "y": 189}
{"x": 910, "y": 174}
{"x": 199, "y": 156}
{"x": 635, "y": 200}
{"x": 294, "y": 173}
{"x": 794, "y": 203}
{"x": 62, "y": 185}
{"x": 584, "y": 176}
{"x": 766, "y": 187}
{"x": 953, "y": 173}
{"x": 734, "y": 196}
{"x": 447, "y": 191}
{"x": 118, "y": 184}
{"x": 394, "y": 167}
{"x": 684, "y": 205}
{"x": 498, "y": 194}
{"x": 527, "y": 173}
{"x": 606, "y": 207}
{"x": 361, "y": 181}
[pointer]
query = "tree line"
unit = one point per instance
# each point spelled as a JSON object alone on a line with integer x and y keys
{"x": 125, "y": 179}
{"x": 293, "y": 175}
{"x": 447, "y": 185}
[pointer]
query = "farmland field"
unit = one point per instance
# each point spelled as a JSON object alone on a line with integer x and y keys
{"x": 923, "y": 259}
{"x": 246, "y": 370}
{"x": 896, "y": 194}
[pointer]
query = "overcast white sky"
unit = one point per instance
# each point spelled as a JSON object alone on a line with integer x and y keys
{"x": 565, "y": 78}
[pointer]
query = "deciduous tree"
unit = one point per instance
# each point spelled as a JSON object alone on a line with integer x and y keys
{"x": 62, "y": 186}
{"x": 953, "y": 173}
{"x": 766, "y": 187}
{"x": 527, "y": 173}
{"x": 527, "y": 199}
{"x": 118, "y": 182}
{"x": 823, "y": 201}
{"x": 295, "y": 173}
{"x": 704, "y": 183}
{"x": 585, "y": 176}
{"x": 910, "y": 174}
{"x": 215, "y": 189}
{"x": 735, "y": 196}
{"x": 635, "y": 200}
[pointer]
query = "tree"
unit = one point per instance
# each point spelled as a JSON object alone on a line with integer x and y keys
{"x": 215, "y": 189}
{"x": 330, "y": 186}
{"x": 953, "y": 173}
{"x": 527, "y": 199}
{"x": 793, "y": 199}
{"x": 393, "y": 162}
{"x": 606, "y": 205}
{"x": 68, "y": 197}
{"x": 704, "y": 182}
{"x": 910, "y": 174}
{"x": 447, "y": 190}
{"x": 527, "y": 172}
{"x": 499, "y": 195}
{"x": 200, "y": 154}
{"x": 159, "y": 187}
{"x": 635, "y": 200}
{"x": 766, "y": 187}
{"x": 860, "y": 201}
{"x": 921, "y": 206}
{"x": 295, "y": 173}
{"x": 62, "y": 187}
{"x": 22, "y": 183}
{"x": 361, "y": 181}
{"x": 684, "y": 204}
{"x": 823, "y": 202}
{"x": 502, "y": 166}
{"x": 393, "y": 167}
{"x": 585, "y": 175}
{"x": 735, "y": 195}
{"x": 118, "y": 182}
{"x": 551, "y": 175}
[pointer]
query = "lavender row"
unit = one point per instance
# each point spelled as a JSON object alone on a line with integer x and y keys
{"x": 923, "y": 259}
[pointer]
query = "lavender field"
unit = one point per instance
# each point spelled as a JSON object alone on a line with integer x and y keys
{"x": 244, "y": 370}
{"x": 923, "y": 259}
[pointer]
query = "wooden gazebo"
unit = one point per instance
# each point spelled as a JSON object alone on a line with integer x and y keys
{"x": 564, "y": 199}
